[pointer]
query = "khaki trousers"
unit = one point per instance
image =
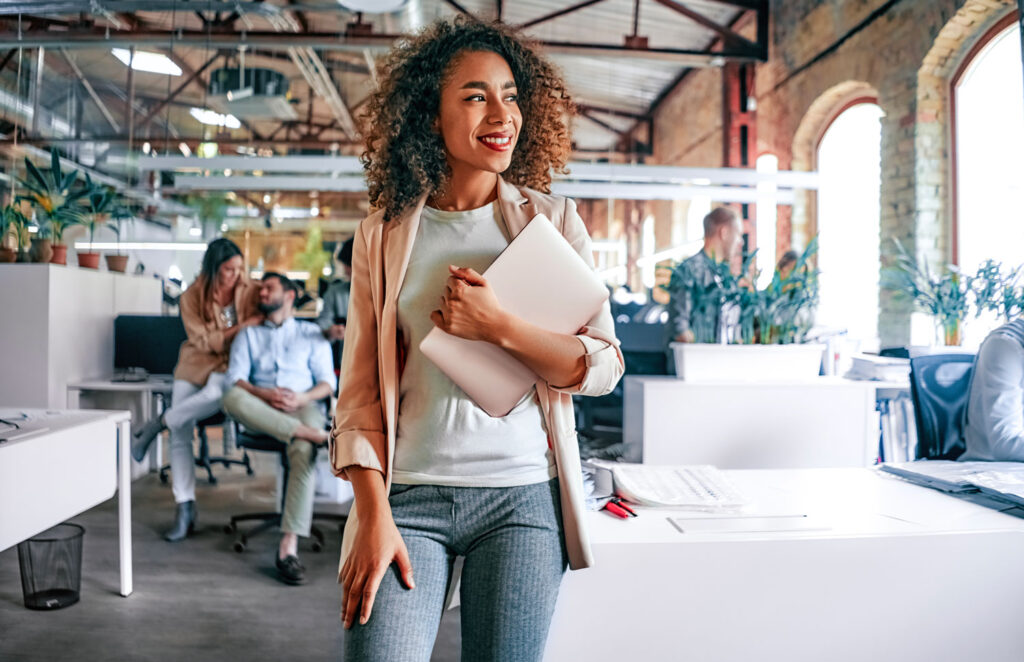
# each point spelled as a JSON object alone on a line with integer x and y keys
{"x": 256, "y": 415}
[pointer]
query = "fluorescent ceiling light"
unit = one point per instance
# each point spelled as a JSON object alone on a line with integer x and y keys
{"x": 155, "y": 63}
{"x": 373, "y": 6}
{"x": 215, "y": 119}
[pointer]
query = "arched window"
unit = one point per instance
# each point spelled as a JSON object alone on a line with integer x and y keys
{"x": 849, "y": 186}
{"x": 988, "y": 158}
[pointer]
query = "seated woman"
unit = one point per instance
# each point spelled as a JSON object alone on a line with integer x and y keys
{"x": 994, "y": 429}
{"x": 221, "y": 301}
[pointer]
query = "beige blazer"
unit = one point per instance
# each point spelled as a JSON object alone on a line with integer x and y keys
{"x": 204, "y": 350}
{"x": 364, "y": 429}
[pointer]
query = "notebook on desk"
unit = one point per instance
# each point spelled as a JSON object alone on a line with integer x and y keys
{"x": 540, "y": 278}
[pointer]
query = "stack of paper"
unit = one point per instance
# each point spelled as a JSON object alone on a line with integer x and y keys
{"x": 879, "y": 368}
{"x": 1002, "y": 480}
{"x": 701, "y": 488}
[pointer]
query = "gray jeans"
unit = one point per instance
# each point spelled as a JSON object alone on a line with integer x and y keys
{"x": 514, "y": 557}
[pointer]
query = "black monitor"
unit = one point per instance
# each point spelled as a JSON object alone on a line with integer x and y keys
{"x": 150, "y": 342}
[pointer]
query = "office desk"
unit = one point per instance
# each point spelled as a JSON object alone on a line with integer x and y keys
{"x": 903, "y": 573}
{"x": 77, "y": 460}
{"x": 820, "y": 422}
{"x": 153, "y": 395}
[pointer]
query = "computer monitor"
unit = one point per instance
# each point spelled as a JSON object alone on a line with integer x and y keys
{"x": 150, "y": 342}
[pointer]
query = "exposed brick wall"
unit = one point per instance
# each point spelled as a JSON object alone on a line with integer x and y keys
{"x": 822, "y": 56}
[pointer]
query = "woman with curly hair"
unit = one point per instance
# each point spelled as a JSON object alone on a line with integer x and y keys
{"x": 465, "y": 129}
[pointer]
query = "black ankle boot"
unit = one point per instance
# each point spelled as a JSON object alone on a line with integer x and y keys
{"x": 184, "y": 522}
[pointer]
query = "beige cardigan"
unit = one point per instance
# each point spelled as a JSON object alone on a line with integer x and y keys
{"x": 364, "y": 428}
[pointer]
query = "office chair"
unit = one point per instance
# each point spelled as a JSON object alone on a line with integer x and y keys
{"x": 267, "y": 520}
{"x": 643, "y": 349}
{"x": 204, "y": 459}
{"x": 939, "y": 386}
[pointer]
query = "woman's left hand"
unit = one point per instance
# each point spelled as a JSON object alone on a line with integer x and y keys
{"x": 469, "y": 308}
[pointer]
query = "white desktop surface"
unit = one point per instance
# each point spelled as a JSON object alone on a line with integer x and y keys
{"x": 902, "y": 573}
{"x": 73, "y": 462}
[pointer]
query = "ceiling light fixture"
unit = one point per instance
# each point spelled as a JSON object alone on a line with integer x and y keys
{"x": 211, "y": 118}
{"x": 154, "y": 63}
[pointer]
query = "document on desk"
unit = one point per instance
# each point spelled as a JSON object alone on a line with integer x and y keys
{"x": 743, "y": 524}
{"x": 698, "y": 487}
{"x": 997, "y": 478}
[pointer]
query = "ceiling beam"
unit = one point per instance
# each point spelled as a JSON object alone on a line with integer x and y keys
{"x": 732, "y": 39}
{"x": 559, "y": 13}
{"x": 329, "y": 41}
{"x": 178, "y": 90}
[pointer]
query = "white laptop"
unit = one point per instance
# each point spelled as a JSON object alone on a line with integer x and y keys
{"x": 540, "y": 278}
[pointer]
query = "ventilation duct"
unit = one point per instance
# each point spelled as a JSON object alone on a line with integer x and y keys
{"x": 251, "y": 93}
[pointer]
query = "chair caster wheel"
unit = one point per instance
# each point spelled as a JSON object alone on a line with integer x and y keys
{"x": 213, "y": 481}
{"x": 229, "y": 528}
{"x": 317, "y": 546}
{"x": 249, "y": 471}
{"x": 239, "y": 546}
{"x": 163, "y": 479}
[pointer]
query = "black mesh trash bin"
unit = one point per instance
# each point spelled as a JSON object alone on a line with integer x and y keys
{"x": 51, "y": 567}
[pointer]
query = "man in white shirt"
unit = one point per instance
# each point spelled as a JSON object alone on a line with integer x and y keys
{"x": 279, "y": 373}
{"x": 994, "y": 428}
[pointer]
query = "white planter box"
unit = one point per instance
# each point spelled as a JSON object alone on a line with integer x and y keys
{"x": 708, "y": 362}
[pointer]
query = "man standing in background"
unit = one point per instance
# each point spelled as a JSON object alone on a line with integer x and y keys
{"x": 723, "y": 239}
{"x": 334, "y": 315}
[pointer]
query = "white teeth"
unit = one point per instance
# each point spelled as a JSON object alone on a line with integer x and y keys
{"x": 497, "y": 141}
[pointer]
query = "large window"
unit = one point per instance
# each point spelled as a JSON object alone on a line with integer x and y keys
{"x": 989, "y": 142}
{"x": 849, "y": 186}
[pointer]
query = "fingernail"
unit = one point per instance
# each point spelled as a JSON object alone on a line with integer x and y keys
{"x": 362, "y": 621}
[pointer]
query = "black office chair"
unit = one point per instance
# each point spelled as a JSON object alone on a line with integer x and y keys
{"x": 643, "y": 349}
{"x": 204, "y": 459}
{"x": 939, "y": 386}
{"x": 268, "y": 520}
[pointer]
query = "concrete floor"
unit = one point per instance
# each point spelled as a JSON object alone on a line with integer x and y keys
{"x": 194, "y": 601}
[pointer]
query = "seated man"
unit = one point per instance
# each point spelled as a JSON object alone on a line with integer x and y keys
{"x": 278, "y": 373}
{"x": 994, "y": 429}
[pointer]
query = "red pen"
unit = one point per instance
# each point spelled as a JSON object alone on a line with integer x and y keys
{"x": 614, "y": 509}
{"x": 622, "y": 504}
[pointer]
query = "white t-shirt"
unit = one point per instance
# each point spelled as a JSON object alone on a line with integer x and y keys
{"x": 444, "y": 438}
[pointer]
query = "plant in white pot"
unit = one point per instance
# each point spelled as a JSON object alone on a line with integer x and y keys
{"x": 772, "y": 323}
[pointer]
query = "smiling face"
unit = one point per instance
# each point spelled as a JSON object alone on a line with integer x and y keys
{"x": 229, "y": 271}
{"x": 479, "y": 118}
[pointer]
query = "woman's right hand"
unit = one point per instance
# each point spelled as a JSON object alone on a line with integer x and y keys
{"x": 377, "y": 545}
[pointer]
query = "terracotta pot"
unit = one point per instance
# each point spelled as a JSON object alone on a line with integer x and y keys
{"x": 89, "y": 260}
{"x": 42, "y": 251}
{"x": 118, "y": 263}
{"x": 7, "y": 255}
{"x": 60, "y": 254}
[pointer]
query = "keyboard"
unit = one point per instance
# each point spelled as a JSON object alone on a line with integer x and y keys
{"x": 696, "y": 487}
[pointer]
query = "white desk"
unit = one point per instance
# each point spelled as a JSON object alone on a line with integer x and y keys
{"x": 823, "y": 422}
{"x": 77, "y": 460}
{"x": 152, "y": 396}
{"x": 904, "y": 573}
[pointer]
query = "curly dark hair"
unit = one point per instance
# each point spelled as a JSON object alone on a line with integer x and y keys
{"x": 405, "y": 155}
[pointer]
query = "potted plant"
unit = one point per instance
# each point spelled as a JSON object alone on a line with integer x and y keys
{"x": 11, "y": 221}
{"x": 117, "y": 261}
{"x": 997, "y": 292}
{"x": 50, "y": 193}
{"x": 99, "y": 206}
{"x": 944, "y": 296}
{"x": 771, "y": 329}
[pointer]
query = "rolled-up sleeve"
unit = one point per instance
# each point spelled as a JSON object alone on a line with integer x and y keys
{"x": 321, "y": 363}
{"x": 603, "y": 357}
{"x": 357, "y": 433}
{"x": 240, "y": 363}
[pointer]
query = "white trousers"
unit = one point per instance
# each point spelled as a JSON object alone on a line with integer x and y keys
{"x": 188, "y": 405}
